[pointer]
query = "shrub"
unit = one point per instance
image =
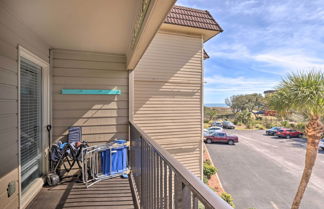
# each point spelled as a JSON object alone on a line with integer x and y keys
{"x": 284, "y": 123}
{"x": 301, "y": 126}
{"x": 209, "y": 170}
{"x": 292, "y": 125}
{"x": 228, "y": 198}
{"x": 205, "y": 179}
{"x": 208, "y": 162}
{"x": 260, "y": 126}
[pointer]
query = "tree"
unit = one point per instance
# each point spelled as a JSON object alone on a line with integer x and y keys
{"x": 303, "y": 93}
{"x": 248, "y": 102}
{"x": 210, "y": 113}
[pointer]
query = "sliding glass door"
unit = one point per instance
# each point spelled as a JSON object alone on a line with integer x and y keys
{"x": 30, "y": 122}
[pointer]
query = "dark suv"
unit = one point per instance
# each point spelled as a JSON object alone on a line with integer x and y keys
{"x": 228, "y": 125}
{"x": 272, "y": 131}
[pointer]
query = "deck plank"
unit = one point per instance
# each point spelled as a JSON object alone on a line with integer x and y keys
{"x": 111, "y": 193}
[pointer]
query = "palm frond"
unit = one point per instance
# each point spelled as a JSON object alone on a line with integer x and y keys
{"x": 302, "y": 92}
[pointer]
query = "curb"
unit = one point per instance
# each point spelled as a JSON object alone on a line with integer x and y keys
{"x": 211, "y": 161}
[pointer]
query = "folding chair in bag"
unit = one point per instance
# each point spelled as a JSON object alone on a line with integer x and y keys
{"x": 65, "y": 155}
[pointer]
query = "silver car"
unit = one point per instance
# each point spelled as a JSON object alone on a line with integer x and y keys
{"x": 321, "y": 144}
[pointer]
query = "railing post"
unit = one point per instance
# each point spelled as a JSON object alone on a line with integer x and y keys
{"x": 186, "y": 196}
{"x": 170, "y": 189}
{"x": 194, "y": 202}
{"x": 178, "y": 192}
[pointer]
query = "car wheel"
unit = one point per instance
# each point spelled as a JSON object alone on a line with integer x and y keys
{"x": 288, "y": 137}
{"x": 230, "y": 142}
{"x": 300, "y": 136}
{"x": 322, "y": 148}
{"x": 208, "y": 141}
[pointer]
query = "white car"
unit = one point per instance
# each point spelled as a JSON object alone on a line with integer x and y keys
{"x": 215, "y": 128}
{"x": 321, "y": 144}
{"x": 212, "y": 130}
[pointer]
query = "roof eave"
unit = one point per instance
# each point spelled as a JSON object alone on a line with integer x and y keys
{"x": 206, "y": 33}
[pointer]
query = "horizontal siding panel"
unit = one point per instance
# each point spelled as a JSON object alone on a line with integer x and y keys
{"x": 167, "y": 91}
{"x": 89, "y": 64}
{"x": 140, "y": 84}
{"x": 91, "y": 121}
{"x": 7, "y": 137}
{"x": 59, "y": 80}
{"x": 89, "y": 56}
{"x": 12, "y": 33}
{"x": 90, "y": 73}
{"x": 91, "y": 113}
{"x": 15, "y": 32}
{"x": 8, "y": 92}
{"x": 81, "y": 80}
{"x": 94, "y": 129}
{"x": 8, "y": 51}
{"x": 102, "y": 117}
{"x": 8, "y": 122}
{"x": 8, "y": 64}
{"x": 8, "y": 107}
{"x": 67, "y": 105}
{"x": 8, "y": 77}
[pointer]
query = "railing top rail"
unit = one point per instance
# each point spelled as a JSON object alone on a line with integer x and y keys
{"x": 194, "y": 182}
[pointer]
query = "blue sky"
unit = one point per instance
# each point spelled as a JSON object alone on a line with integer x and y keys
{"x": 262, "y": 42}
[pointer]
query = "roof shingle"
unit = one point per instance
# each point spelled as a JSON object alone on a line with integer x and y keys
{"x": 190, "y": 17}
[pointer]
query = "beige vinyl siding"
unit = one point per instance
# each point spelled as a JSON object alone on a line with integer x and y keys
{"x": 12, "y": 33}
{"x": 102, "y": 117}
{"x": 167, "y": 96}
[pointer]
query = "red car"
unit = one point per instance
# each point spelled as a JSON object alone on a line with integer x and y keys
{"x": 221, "y": 137}
{"x": 289, "y": 133}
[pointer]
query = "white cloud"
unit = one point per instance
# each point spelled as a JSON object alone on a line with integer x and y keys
{"x": 290, "y": 62}
{"x": 237, "y": 85}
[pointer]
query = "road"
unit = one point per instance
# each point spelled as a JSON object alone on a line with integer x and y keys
{"x": 263, "y": 172}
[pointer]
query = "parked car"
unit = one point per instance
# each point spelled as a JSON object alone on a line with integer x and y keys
{"x": 212, "y": 130}
{"x": 289, "y": 133}
{"x": 217, "y": 123}
{"x": 215, "y": 128}
{"x": 260, "y": 112}
{"x": 221, "y": 137}
{"x": 228, "y": 125}
{"x": 272, "y": 131}
{"x": 321, "y": 144}
{"x": 206, "y": 132}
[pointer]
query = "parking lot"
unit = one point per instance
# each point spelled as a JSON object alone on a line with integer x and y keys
{"x": 263, "y": 172}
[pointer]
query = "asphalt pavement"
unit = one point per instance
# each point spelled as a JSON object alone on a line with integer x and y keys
{"x": 263, "y": 172}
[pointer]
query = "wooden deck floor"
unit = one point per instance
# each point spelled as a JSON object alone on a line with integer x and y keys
{"x": 112, "y": 193}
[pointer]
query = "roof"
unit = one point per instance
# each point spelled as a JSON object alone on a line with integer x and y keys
{"x": 206, "y": 56}
{"x": 190, "y": 17}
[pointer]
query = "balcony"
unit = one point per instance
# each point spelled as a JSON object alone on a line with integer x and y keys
{"x": 157, "y": 180}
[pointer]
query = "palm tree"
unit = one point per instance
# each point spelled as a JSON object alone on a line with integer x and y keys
{"x": 303, "y": 93}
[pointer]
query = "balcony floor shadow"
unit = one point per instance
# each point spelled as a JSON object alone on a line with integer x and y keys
{"x": 111, "y": 193}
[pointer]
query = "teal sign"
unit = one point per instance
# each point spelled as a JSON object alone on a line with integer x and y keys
{"x": 91, "y": 91}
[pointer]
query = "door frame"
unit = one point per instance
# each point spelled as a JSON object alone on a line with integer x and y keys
{"x": 33, "y": 190}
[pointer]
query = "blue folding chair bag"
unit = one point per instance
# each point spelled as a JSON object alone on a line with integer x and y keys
{"x": 75, "y": 134}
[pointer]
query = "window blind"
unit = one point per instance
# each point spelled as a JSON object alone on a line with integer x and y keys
{"x": 30, "y": 121}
